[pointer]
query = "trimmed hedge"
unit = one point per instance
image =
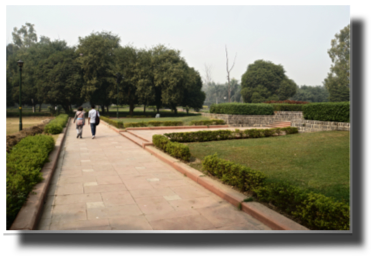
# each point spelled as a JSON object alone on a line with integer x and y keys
{"x": 24, "y": 164}
{"x": 153, "y": 123}
{"x": 286, "y": 102}
{"x": 315, "y": 211}
{"x": 175, "y": 149}
{"x": 242, "y": 109}
{"x": 207, "y": 122}
{"x": 233, "y": 174}
{"x": 204, "y": 136}
{"x": 287, "y": 107}
{"x": 57, "y": 124}
{"x": 327, "y": 111}
{"x": 28, "y": 114}
{"x": 118, "y": 124}
{"x": 149, "y": 114}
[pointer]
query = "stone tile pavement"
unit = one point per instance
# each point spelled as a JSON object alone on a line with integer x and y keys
{"x": 110, "y": 183}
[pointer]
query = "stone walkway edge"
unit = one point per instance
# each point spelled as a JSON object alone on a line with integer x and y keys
{"x": 29, "y": 215}
{"x": 264, "y": 214}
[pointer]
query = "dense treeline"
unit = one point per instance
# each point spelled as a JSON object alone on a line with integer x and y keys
{"x": 58, "y": 74}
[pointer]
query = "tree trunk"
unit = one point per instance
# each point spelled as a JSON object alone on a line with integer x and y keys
{"x": 34, "y": 108}
{"x": 144, "y": 109}
{"x": 175, "y": 110}
{"x": 39, "y": 107}
{"x": 131, "y": 108}
{"x": 103, "y": 109}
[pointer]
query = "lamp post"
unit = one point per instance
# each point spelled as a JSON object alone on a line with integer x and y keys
{"x": 118, "y": 77}
{"x": 20, "y": 64}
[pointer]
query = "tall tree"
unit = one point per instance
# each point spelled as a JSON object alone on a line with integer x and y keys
{"x": 265, "y": 81}
{"x": 193, "y": 95}
{"x": 311, "y": 94}
{"x": 97, "y": 62}
{"x": 145, "y": 79}
{"x": 228, "y": 74}
{"x": 25, "y": 36}
{"x": 60, "y": 79}
{"x": 338, "y": 79}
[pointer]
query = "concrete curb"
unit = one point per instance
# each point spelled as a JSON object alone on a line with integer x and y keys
{"x": 29, "y": 215}
{"x": 264, "y": 214}
{"x": 111, "y": 126}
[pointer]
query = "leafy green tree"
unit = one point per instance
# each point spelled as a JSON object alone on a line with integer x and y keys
{"x": 97, "y": 64}
{"x": 193, "y": 95}
{"x": 60, "y": 80}
{"x": 311, "y": 94}
{"x": 338, "y": 79}
{"x": 275, "y": 85}
{"x": 287, "y": 89}
{"x": 25, "y": 36}
{"x": 127, "y": 66}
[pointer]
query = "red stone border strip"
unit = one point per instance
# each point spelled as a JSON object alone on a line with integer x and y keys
{"x": 264, "y": 214}
{"x": 144, "y": 139}
{"x": 29, "y": 214}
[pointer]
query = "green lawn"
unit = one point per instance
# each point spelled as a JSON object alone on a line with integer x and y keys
{"x": 13, "y": 123}
{"x": 316, "y": 162}
{"x": 185, "y": 120}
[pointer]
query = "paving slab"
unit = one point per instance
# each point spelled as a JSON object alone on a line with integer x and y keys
{"x": 110, "y": 183}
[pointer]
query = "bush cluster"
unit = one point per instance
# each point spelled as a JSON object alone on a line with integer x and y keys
{"x": 118, "y": 124}
{"x": 287, "y": 102}
{"x": 56, "y": 125}
{"x": 153, "y": 123}
{"x": 233, "y": 174}
{"x": 24, "y": 164}
{"x": 314, "y": 210}
{"x": 175, "y": 149}
{"x": 207, "y": 122}
{"x": 13, "y": 139}
{"x": 204, "y": 136}
{"x": 242, "y": 109}
{"x": 287, "y": 107}
{"x": 148, "y": 114}
{"x": 28, "y": 114}
{"x": 327, "y": 111}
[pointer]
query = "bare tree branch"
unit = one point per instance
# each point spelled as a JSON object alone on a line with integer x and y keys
{"x": 228, "y": 73}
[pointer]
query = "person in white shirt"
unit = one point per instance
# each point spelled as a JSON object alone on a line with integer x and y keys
{"x": 92, "y": 120}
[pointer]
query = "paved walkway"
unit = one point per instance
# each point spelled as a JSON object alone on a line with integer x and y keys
{"x": 110, "y": 183}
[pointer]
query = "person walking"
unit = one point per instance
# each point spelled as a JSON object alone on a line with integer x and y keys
{"x": 92, "y": 120}
{"x": 79, "y": 120}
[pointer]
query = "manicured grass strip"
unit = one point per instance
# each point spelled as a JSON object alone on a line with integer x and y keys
{"x": 317, "y": 162}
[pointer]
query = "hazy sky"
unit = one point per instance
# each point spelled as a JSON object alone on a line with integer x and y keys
{"x": 296, "y": 37}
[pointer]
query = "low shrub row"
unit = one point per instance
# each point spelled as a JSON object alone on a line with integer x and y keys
{"x": 24, "y": 164}
{"x": 153, "y": 123}
{"x": 287, "y": 107}
{"x": 118, "y": 124}
{"x": 327, "y": 111}
{"x": 233, "y": 174}
{"x": 315, "y": 211}
{"x": 207, "y": 122}
{"x": 242, "y": 109}
{"x": 148, "y": 114}
{"x": 204, "y": 136}
{"x": 57, "y": 124}
{"x": 286, "y": 102}
{"x": 175, "y": 149}
{"x": 28, "y": 114}
{"x": 13, "y": 139}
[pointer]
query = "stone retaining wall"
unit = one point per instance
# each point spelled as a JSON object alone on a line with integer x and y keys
{"x": 305, "y": 126}
{"x": 295, "y": 117}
